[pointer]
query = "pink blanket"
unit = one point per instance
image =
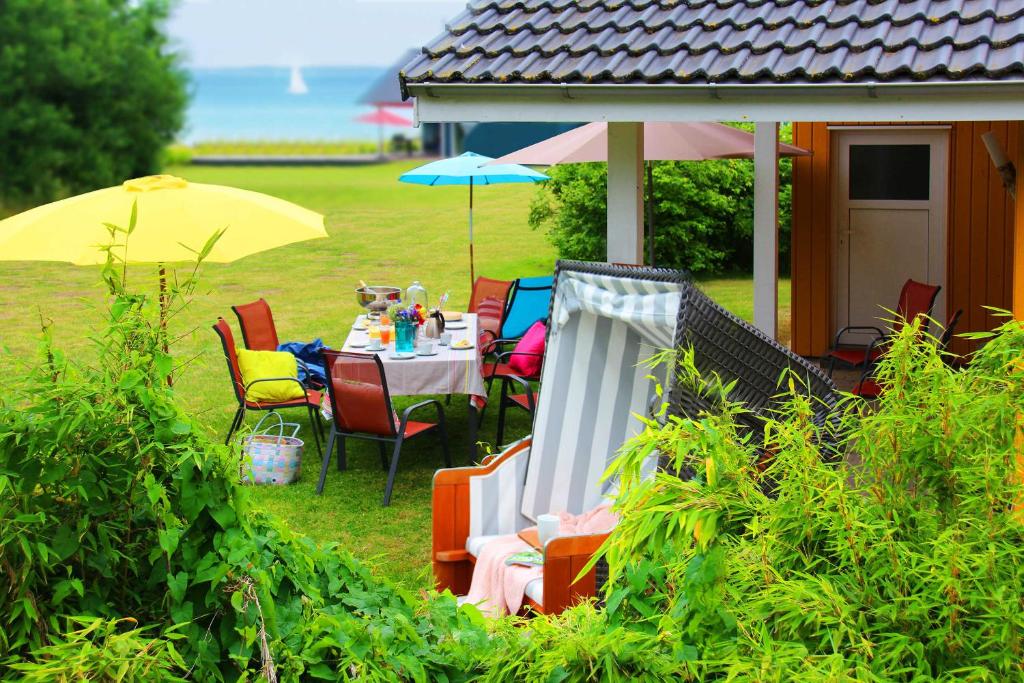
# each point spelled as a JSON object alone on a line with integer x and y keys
{"x": 498, "y": 588}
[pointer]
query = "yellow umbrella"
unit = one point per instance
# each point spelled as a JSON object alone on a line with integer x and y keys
{"x": 173, "y": 216}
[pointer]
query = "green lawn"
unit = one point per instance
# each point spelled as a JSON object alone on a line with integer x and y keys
{"x": 381, "y": 231}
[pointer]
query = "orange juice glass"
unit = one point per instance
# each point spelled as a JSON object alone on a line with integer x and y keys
{"x": 385, "y": 334}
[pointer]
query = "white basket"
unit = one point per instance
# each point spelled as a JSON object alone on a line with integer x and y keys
{"x": 269, "y": 458}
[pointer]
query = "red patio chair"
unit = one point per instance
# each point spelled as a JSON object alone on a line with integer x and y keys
{"x": 916, "y": 300}
{"x": 867, "y": 387}
{"x": 516, "y": 369}
{"x": 488, "y": 301}
{"x": 311, "y": 401}
{"x": 257, "y": 323}
{"x": 361, "y": 409}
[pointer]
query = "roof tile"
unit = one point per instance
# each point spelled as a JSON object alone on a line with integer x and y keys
{"x": 726, "y": 41}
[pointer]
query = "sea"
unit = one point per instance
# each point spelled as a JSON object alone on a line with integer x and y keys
{"x": 255, "y": 104}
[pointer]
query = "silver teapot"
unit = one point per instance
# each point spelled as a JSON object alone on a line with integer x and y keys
{"x": 434, "y": 325}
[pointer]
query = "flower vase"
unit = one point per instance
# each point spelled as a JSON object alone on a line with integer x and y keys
{"x": 405, "y": 336}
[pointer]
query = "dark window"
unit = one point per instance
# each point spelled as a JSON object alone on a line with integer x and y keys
{"x": 890, "y": 171}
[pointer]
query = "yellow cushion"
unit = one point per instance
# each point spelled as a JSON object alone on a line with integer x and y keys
{"x": 256, "y": 365}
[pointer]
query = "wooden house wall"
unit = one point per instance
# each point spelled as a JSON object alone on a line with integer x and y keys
{"x": 979, "y": 269}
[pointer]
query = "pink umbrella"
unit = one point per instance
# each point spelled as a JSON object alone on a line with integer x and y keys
{"x": 662, "y": 142}
{"x": 382, "y": 117}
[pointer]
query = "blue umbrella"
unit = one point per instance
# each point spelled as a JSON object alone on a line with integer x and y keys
{"x": 470, "y": 169}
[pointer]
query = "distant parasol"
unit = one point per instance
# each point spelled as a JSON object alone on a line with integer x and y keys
{"x": 383, "y": 117}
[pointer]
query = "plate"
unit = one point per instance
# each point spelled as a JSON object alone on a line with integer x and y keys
{"x": 453, "y": 347}
{"x": 401, "y": 356}
{"x": 455, "y": 326}
{"x": 357, "y": 344}
{"x": 434, "y": 353}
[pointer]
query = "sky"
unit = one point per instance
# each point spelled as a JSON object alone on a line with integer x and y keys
{"x": 228, "y": 33}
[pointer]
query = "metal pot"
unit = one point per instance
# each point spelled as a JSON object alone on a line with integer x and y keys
{"x": 434, "y": 325}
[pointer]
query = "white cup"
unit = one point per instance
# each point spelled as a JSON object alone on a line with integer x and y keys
{"x": 547, "y": 528}
{"x": 426, "y": 347}
{"x": 445, "y": 339}
{"x": 374, "y": 345}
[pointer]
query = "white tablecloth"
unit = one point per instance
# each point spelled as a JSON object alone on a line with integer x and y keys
{"x": 451, "y": 371}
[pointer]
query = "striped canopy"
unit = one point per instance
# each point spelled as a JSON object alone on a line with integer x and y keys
{"x": 596, "y": 382}
{"x": 606, "y": 322}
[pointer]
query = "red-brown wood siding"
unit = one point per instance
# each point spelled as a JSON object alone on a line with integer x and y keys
{"x": 980, "y": 233}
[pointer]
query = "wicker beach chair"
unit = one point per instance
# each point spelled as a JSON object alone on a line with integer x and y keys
{"x": 604, "y": 322}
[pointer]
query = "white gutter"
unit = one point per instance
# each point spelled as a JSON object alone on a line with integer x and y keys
{"x": 911, "y": 101}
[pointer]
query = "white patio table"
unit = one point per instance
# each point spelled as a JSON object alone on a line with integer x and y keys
{"x": 451, "y": 371}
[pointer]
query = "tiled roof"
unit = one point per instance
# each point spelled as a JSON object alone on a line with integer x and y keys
{"x": 726, "y": 41}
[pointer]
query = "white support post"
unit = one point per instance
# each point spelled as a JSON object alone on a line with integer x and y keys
{"x": 626, "y": 193}
{"x": 766, "y": 227}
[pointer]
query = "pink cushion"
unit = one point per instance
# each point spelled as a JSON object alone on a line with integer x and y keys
{"x": 533, "y": 343}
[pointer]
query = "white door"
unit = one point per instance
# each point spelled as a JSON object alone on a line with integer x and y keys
{"x": 890, "y": 219}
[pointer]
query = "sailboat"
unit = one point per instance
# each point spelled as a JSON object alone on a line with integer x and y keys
{"x": 297, "y": 86}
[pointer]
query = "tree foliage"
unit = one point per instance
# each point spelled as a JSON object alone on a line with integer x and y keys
{"x": 703, "y": 213}
{"x": 90, "y": 95}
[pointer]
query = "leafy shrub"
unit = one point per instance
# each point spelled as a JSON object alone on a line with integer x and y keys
{"x": 91, "y": 94}
{"x": 906, "y": 564}
{"x": 113, "y": 504}
{"x": 703, "y": 213}
{"x": 101, "y": 650}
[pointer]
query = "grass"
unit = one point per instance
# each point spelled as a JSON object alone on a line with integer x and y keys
{"x": 380, "y": 231}
{"x": 181, "y": 153}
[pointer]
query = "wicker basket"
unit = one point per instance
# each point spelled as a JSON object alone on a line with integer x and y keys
{"x": 269, "y": 457}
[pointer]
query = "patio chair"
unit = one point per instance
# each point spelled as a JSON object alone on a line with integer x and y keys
{"x": 527, "y": 304}
{"x": 605, "y": 322}
{"x": 361, "y": 409}
{"x": 525, "y": 400}
{"x": 868, "y": 388}
{"x": 311, "y": 400}
{"x": 260, "y": 334}
{"x": 257, "y": 323}
{"x": 916, "y": 300}
{"x": 488, "y": 302}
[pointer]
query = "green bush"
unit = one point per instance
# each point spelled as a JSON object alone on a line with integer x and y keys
{"x": 703, "y": 213}
{"x": 907, "y": 563}
{"x": 91, "y": 95}
{"x": 113, "y": 504}
{"x": 105, "y": 651}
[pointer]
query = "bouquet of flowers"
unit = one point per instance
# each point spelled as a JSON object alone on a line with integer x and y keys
{"x": 415, "y": 314}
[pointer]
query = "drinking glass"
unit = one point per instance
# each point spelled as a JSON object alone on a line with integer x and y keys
{"x": 385, "y": 334}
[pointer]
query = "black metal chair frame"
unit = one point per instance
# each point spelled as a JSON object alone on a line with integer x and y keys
{"x": 881, "y": 338}
{"x": 397, "y": 438}
{"x": 943, "y": 345}
{"x": 239, "y": 418}
{"x": 491, "y": 370}
{"x": 506, "y": 402}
